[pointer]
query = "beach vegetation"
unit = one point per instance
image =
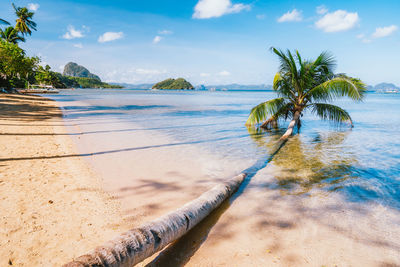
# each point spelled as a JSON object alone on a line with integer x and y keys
{"x": 11, "y": 35}
{"x": 306, "y": 85}
{"x": 15, "y": 67}
{"x": 44, "y": 75}
{"x": 24, "y": 22}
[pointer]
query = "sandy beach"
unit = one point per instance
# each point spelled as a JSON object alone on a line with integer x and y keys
{"x": 52, "y": 209}
{"x": 60, "y": 205}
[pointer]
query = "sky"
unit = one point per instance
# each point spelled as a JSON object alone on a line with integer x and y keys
{"x": 212, "y": 41}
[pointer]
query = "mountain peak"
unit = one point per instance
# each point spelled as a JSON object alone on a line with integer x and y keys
{"x": 75, "y": 70}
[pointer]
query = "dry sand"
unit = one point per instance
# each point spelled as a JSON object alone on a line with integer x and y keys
{"x": 51, "y": 209}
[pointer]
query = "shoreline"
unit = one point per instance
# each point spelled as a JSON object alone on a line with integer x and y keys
{"x": 262, "y": 227}
{"x": 153, "y": 173}
{"x": 52, "y": 209}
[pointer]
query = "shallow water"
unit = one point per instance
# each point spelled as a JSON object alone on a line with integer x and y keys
{"x": 362, "y": 163}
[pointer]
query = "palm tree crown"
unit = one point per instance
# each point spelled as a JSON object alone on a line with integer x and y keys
{"x": 24, "y": 20}
{"x": 10, "y": 34}
{"x": 305, "y": 84}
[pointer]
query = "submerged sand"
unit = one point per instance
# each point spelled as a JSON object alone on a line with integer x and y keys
{"x": 52, "y": 207}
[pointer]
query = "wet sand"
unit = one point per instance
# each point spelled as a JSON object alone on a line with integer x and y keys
{"x": 152, "y": 174}
{"x": 52, "y": 205}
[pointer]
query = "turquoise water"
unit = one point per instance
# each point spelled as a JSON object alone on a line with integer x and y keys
{"x": 361, "y": 163}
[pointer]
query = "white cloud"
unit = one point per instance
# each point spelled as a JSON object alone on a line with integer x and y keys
{"x": 165, "y": 32}
{"x": 204, "y": 74}
{"x": 134, "y": 75}
{"x": 157, "y": 39}
{"x": 110, "y": 36}
{"x": 293, "y": 15}
{"x": 78, "y": 45}
{"x": 384, "y": 31}
{"x": 72, "y": 33}
{"x": 261, "y": 16}
{"x": 33, "y": 6}
{"x": 322, "y": 10}
{"x": 224, "y": 73}
{"x": 206, "y": 9}
{"x": 340, "y": 20}
{"x": 363, "y": 38}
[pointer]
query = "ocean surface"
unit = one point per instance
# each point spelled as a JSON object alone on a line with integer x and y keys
{"x": 361, "y": 163}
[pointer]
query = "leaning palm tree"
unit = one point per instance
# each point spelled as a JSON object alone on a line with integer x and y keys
{"x": 10, "y": 34}
{"x": 24, "y": 21}
{"x": 305, "y": 84}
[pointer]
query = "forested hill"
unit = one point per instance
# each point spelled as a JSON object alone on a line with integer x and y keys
{"x": 75, "y": 70}
{"x": 177, "y": 84}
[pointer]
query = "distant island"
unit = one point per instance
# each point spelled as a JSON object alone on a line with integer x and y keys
{"x": 174, "y": 84}
{"x": 379, "y": 88}
{"x": 384, "y": 87}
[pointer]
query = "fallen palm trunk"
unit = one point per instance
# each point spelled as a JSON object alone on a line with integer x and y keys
{"x": 137, "y": 244}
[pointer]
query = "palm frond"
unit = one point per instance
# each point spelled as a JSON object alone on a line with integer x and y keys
{"x": 286, "y": 64}
{"x": 2, "y": 21}
{"x": 261, "y": 111}
{"x": 337, "y": 87}
{"x": 15, "y": 8}
{"x": 277, "y": 81}
{"x": 24, "y": 21}
{"x": 330, "y": 112}
{"x": 325, "y": 62}
{"x": 282, "y": 86}
{"x": 10, "y": 34}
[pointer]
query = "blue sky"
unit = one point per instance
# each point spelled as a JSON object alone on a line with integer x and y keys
{"x": 212, "y": 41}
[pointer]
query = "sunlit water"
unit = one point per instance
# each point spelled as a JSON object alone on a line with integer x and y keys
{"x": 362, "y": 163}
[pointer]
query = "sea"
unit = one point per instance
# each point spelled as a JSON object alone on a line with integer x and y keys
{"x": 361, "y": 163}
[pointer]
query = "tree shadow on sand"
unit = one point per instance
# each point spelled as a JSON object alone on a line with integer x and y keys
{"x": 27, "y": 108}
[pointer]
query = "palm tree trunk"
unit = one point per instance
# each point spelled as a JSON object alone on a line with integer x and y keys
{"x": 270, "y": 122}
{"x": 137, "y": 244}
{"x": 291, "y": 126}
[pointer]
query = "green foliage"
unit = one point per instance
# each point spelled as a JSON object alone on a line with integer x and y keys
{"x": 15, "y": 67}
{"x": 24, "y": 24}
{"x": 47, "y": 77}
{"x": 261, "y": 111}
{"x": 11, "y": 35}
{"x": 57, "y": 80}
{"x": 86, "y": 83}
{"x": 179, "y": 83}
{"x": 75, "y": 70}
{"x": 330, "y": 112}
{"x": 301, "y": 83}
